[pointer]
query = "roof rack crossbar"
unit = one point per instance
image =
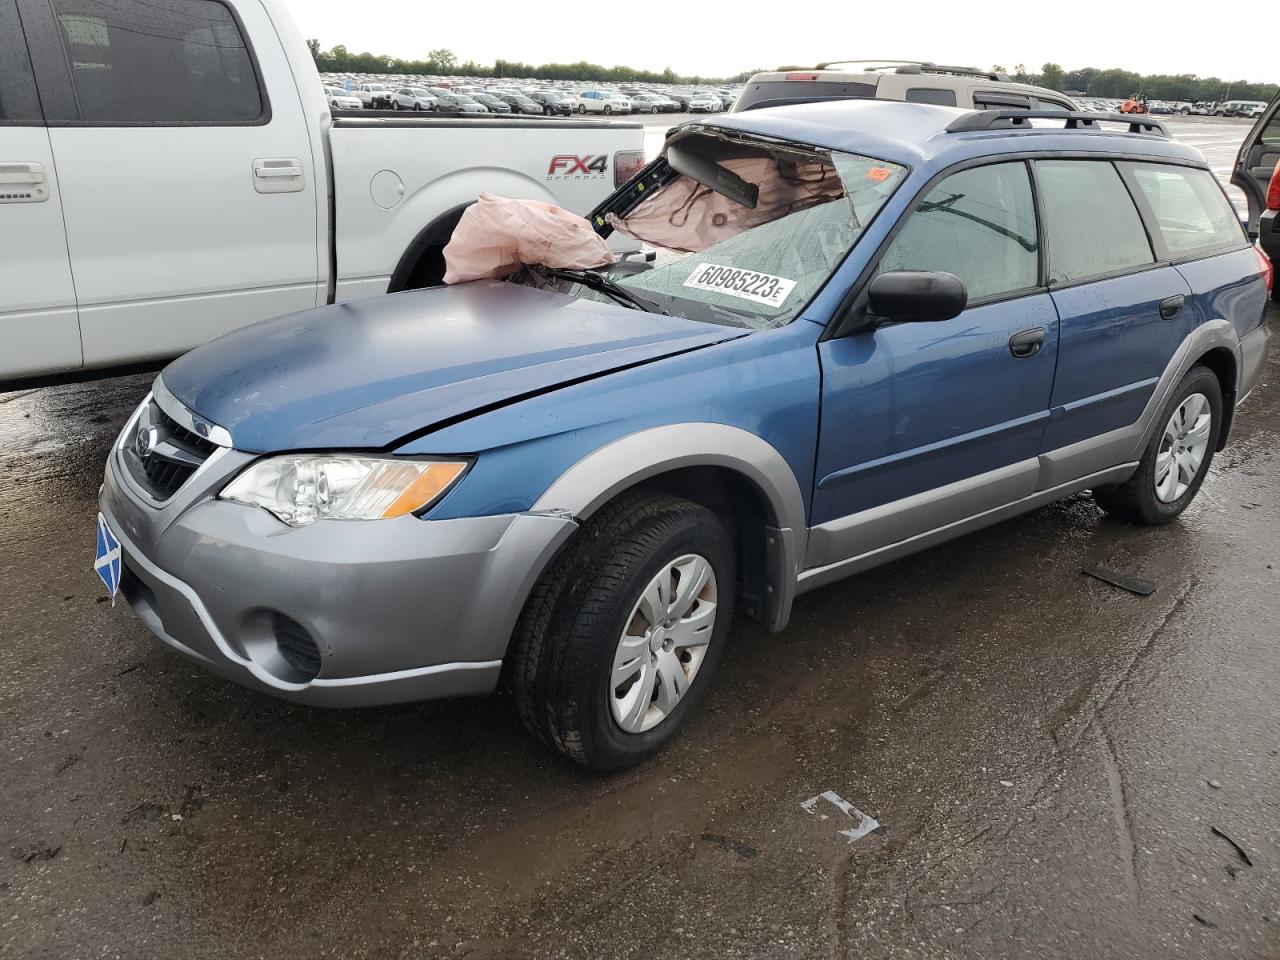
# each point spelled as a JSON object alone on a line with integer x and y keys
{"x": 979, "y": 120}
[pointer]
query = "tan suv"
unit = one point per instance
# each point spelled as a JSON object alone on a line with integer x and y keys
{"x": 915, "y": 82}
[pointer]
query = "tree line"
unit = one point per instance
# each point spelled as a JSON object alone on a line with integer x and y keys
{"x": 1086, "y": 81}
{"x": 442, "y": 62}
{"x": 1093, "y": 82}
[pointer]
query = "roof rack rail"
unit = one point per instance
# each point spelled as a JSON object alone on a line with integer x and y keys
{"x": 917, "y": 66}
{"x": 976, "y": 120}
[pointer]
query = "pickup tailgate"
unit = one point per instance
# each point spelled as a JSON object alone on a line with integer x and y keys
{"x": 396, "y": 177}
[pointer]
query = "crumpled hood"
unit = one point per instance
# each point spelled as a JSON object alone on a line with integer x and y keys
{"x": 366, "y": 373}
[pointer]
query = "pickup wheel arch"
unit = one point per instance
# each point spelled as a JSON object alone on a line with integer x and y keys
{"x": 422, "y": 263}
{"x": 732, "y": 472}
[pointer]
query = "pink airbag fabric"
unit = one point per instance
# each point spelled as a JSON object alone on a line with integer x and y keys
{"x": 498, "y": 235}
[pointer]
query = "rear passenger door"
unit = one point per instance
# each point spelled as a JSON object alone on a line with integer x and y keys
{"x": 916, "y": 411}
{"x": 38, "y": 330}
{"x": 189, "y": 194}
{"x": 1122, "y": 314}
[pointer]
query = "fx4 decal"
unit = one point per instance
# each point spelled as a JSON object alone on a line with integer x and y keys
{"x": 569, "y": 167}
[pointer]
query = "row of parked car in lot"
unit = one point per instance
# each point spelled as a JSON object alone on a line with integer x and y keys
{"x": 459, "y": 96}
{"x": 1251, "y": 109}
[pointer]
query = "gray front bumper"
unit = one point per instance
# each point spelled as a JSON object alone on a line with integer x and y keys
{"x": 401, "y": 610}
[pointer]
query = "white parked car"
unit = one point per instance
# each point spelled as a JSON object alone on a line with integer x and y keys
{"x": 340, "y": 99}
{"x": 704, "y": 103}
{"x": 374, "y": 96}
{"x": 413, "y": 98}
{"x": 245, "y": 219}
{"x": 602, "y": 101}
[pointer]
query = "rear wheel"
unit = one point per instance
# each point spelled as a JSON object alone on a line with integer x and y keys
{"x": 581, "y": 108}
{"x": 1175, "y": 463}
{"x": 619, "y": 640}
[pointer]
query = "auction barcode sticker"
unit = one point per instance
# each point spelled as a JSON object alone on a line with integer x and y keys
{"x": 744, "y": 284}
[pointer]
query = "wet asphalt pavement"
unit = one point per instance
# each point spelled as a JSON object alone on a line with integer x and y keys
{"x": 1061, "y": 769}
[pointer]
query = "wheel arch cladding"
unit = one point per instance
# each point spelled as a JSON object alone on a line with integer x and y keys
{"x": 732, "y": 472}
{"x": 1223, "y": 363}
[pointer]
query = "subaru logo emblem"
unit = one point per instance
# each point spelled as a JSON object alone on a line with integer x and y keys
{"x": 145, "y": 440}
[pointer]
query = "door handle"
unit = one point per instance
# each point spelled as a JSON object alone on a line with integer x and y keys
{"x": 23, "y": 183}
{"x": 1027, "y": 343}
{"x": 279, "y": 175}
{"x": 1170, "y": 306}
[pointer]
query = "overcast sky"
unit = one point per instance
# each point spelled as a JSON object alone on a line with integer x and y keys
{"x": 724, "y": 37}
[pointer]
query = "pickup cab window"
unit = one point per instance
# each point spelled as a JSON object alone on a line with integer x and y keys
{"x": 18, "y": 103}
{"x": 142, "y": 62}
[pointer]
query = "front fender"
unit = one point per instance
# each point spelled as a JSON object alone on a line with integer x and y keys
{"x": 628, "y": 461}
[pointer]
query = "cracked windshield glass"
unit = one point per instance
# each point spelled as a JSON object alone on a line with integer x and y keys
{"x": 722, "y": 260}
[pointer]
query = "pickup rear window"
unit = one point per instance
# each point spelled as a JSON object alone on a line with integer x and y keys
{"x": 777, "y": 93}
{"x": 159, "y": 61}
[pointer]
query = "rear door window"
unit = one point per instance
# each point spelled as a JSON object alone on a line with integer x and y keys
{"x": 1092, "y": 227}
{"x": 157, "y": 61}
{"x": 18, "y": 101}
{"x": 1000, "y": 101}
{"x": 1193, "y": 215}
{"x": 979, "y": 224}
{"x": 942, "y": 98}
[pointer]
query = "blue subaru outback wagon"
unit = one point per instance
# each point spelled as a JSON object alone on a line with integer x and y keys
{"x": 868, "y": 327}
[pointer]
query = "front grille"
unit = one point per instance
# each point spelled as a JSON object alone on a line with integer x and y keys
{"x": 162, "y": 454}
{"x": 296, "y": 645}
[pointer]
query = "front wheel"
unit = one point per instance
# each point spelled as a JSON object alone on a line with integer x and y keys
{"x": 1177, "y": 458}
{"x": 619, "y": 640}
{"x": 608, "y": 109}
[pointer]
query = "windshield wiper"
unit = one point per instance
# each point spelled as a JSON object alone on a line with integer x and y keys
{"x": 609, "y": 287}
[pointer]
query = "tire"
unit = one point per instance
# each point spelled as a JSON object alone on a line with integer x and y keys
{"x": 608, "y": 110}
{"x": 417, "y": 107}
{"x": 561, "y": 663}
{"x": 654, "y": 111}
{"x": 1136, "y": 500}
{"x": 581, "y": 108}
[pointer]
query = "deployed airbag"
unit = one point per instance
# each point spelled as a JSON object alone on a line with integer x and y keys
{"x": 498, "y": 235}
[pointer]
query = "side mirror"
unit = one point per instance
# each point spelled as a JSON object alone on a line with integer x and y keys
{"x": 907, "y": 296}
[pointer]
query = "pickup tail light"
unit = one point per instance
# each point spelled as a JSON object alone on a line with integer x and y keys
{"x": 1273, "y": 192}
{"x": 626, "y": 164}
{"x": 1268, "y": 270}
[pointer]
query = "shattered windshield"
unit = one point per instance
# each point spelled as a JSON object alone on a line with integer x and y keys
{"x": 721, "y": 260}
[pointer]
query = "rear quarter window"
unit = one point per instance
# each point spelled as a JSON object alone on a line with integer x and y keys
{"x": 934, "y": 95}
{"x": 1190, "y": 210}
{"x": 1091, "y": 225}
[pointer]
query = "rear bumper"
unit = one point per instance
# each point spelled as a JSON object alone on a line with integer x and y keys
{"x": 1254, "y": 347}
{"x": 399, "y": 610}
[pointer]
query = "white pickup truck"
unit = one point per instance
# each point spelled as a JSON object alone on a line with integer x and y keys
{"x": 170, "y": 171}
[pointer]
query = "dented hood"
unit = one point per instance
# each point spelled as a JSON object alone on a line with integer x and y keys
{"x": 370, "y": 372}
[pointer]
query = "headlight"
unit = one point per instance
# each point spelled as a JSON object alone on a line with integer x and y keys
{"x": 302, "y": 489}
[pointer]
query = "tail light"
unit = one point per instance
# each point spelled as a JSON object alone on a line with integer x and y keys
{"x": 802, "y": 76}
{"x": 1268, "y": 271}
{"x": 1273, "y": 192}
{"x": 626, "y": 164}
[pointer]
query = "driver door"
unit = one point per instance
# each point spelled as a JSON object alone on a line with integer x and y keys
{"x": 925, "y": 424}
